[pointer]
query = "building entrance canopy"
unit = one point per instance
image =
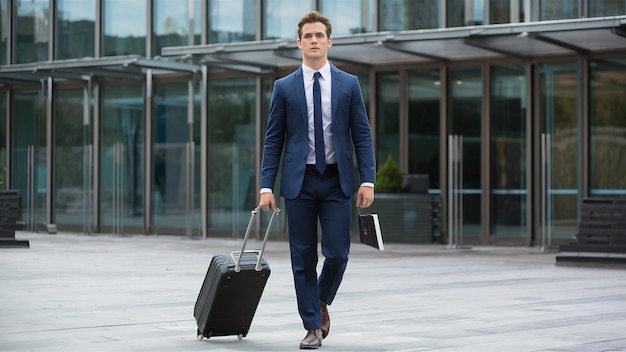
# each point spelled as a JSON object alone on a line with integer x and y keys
{"x": 525, "y": 41}
{"x": 86, "y": 69}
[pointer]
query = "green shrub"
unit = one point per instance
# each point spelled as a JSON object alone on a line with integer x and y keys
{"x": 389, "y": 177}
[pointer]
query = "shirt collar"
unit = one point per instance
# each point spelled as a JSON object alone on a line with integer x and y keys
{"x": 308, "y": 72}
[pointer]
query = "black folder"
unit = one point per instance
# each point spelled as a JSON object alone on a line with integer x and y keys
{"x": 369, "y": 231}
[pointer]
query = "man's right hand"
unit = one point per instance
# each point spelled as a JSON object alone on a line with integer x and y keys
{"x": 267, "y": 201}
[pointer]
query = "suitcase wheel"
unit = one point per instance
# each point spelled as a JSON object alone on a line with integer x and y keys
{"x": 240, "y": 336}
{"x": 200, "y": 336}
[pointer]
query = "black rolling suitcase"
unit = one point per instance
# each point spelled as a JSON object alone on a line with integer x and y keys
{"x": 232, "y": 289}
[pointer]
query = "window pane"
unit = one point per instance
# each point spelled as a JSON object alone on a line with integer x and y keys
{"x": 559, "y": 120}
{"x": 175, "y": 24}
{"x": 282, "y": 17}
{"x": 558, "y": 9}
{"x": 3, "y": 139}
{"x": 349, "y": 16}
{"x": 424, "y": 106}
{"x": 232, "y": 21}
{"x": 32, "y": 30}
{"x": 76, "y": 28}
{"x": 399, "y": 15}
{"x": 232, "y": 161}
{"x": 121, "y": 156}
{"x": 388, "y": 117}
{"x": 608, "y": 128}
{"x": 509, "y": 192}
{"x": 69, "y": 160}
{"x": 124, "y": 29}
{"x": 465, "y": 112}
{"x": 4, "y": 32}
{"x": 599, "y": 8}
{"x": 499, "y": 11}
{"x": 465, "y": 12}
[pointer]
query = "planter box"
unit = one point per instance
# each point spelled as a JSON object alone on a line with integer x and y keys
{"x": 404, "y": 217}
{"x": 10, "y": 210}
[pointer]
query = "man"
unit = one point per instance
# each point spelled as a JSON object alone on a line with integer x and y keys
{"x": 317, "y": 120}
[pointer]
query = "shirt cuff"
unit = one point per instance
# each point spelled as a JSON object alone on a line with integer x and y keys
{"x": 367, "y": 184}
{"x": 265, "y": 190}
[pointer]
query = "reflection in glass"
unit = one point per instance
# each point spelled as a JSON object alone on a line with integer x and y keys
{"x": 175, "y": 24}
{"x": 464, "y": 114}
{"x": 349, "y": 16}
{"x": 171, "y": 167}
{"x": 4, "y": 32}
{"x": 232, "y": 161}
{"x": 3, "y": 139}
{"x": 424, "y": 106}
{"x": 465, "y": 12}
{"x": 405, "y": 15}
{"x": 557, "y": 10}
{"x": 32, "y": 30}
{"x": 282, "y": 17}
{"x": 598, "y": 8}
{"x": 69, "y": 160}
{"x": 559, "y": 120}
{"x": 388, "y": 117}
{"x": 28, "y": 171}
{"x": 607, "y": 154}
{"x": 509, "y": 192}
{"x": 233, "y": 21}
{"x": 122, "y": 126}
{"x": 124, "y": 27}
{"x": 75, "y": 33}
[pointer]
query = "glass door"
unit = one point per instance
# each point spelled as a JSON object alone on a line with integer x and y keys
{"x": 465, "y": 89}
{"x": 122, "y": 159}
{"x": 29, "y": 155}
{"x": 509, "y": 193}
{"x": 559, "y": 128}
{"x": 175, "y": 200}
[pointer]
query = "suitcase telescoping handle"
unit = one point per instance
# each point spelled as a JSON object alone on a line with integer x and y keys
{"x": 253, "y": 213}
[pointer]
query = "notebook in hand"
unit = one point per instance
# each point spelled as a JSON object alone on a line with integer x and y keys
{"x": 369, "y": 230}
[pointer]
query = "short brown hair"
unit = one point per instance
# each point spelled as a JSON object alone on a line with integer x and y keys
{"x": 313, "y": 17}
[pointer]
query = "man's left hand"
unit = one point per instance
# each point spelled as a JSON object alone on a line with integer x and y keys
{"x": 365, "y": 197}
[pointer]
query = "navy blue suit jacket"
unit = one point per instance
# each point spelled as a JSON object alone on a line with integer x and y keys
{"x": 287, "y": 134}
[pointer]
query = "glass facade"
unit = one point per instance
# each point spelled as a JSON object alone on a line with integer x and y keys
{"x": 4, "y": 32}
{"x": 124, "y": 27}
{"x": 465, "y": 119}
{"x": 176, "y": 153}
{"x": 232, "y": 21}
{"x": 599, "y": 8}
{"x": 508, "y": 151}
{"x": 176, "y": 23}
{"x": 175, "y": 158}
{"x": 33, "y": 28}
{"x": 3, "y": 140}
{"x": 558, "y": 9}
{"x": 362, "y": 23}
{"x": 232, "y": 143}
{"x": 75, "y": 28}
{"x": 71, "y": 140}
{"x": 465, "y": 13}
{"x": 29, "y": 171}
{"x": 559, "y": 122}
{"x": 122, "y": 157}
{"x": 607, "y": 150}
{"x": 388, "y": 117}
{"x": 424, "y": 88}
{"x": 282, "y": 17}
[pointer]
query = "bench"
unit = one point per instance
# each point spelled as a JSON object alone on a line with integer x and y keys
{"x": 601, "y": 237}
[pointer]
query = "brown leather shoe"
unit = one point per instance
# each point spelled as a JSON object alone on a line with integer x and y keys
{"x": 325, "y": 320}
{"x": 312, "y": 340}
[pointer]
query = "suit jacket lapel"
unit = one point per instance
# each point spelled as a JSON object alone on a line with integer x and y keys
{"x": 298, "y": 88}
{"x": 336, "y": 86}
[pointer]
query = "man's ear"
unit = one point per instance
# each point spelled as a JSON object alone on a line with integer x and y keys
{"x": 330, "y": 41}
{"x": 298, "y": 41}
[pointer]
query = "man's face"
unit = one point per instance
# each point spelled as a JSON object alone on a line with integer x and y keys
{"x": 314, "y": 43}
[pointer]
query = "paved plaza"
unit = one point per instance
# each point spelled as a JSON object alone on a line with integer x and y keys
{"x": 69, "y": 292}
